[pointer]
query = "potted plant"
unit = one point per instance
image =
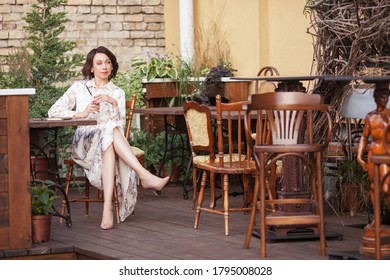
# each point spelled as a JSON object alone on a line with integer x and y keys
{"x": 158, "y": 66}
{"x": 168, "y": 77}
{"x": 212, "y": 85}
{"x": 158, "y": 77}
{"x": 42, "y": 197}
{"x": 354, "y": 187}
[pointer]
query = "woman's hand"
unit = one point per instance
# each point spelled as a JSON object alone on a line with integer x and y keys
{"x": 91, "y": 108}
{"x": 105, "y": 98}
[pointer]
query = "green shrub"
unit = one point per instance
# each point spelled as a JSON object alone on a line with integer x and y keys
{"x": 44, "y": 63}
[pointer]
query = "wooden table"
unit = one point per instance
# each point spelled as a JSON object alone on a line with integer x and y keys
{"x": 58, "y": 122}
{"x": 43, "y": 149}
{"x": 285, "y": 83}
{"x": 38, "y": 127}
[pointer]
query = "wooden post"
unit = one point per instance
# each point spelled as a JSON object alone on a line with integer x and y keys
{"x": 15, "y": 197}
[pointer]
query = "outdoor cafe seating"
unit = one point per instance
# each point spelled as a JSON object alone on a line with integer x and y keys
{"x": 290, "y": 118}
{"x": 86, "y": 198}
{"x": 233, "y": 155}
{"x": 202, "y": 144}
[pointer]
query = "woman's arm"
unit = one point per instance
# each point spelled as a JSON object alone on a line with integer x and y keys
{"x": 64, "y": 107}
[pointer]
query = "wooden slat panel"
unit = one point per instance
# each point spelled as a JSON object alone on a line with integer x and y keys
{"x": 3, "y": 163}
{"x": 19, "y": 172}
{"x": 3, "y": 126}
{"x": 62, "y": 256}
{"x": 3, "y": 111}
{"x": 3, "y": 144}
{"x": 161, "y": 90}
{"x": 236, "y": 91}
{"x": 3, "y": 182}
{"x": 4, "y": 238}
{"x": 4, "y": 219}
{"x": 3, "y": 202}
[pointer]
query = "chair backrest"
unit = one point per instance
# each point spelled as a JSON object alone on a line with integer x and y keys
{"x": 268, "y": 71}
{"x": 199, "y": 129}
{"x": 130, "y": 106}
{"x": 286, "y": 115}
{"x": 265, "y": 86}
{"x": 232, "y": 145}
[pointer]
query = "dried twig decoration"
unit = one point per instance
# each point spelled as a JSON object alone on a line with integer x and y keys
{"x": 351, "y": 38}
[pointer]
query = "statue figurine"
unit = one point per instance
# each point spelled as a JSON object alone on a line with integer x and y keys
{"x": 375, "y": 124}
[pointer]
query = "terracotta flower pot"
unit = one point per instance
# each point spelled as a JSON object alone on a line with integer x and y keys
{"x": 43, "y": 168}
{"x": 41, "y": 226}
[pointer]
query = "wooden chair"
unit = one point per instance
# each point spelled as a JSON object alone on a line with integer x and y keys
{"x": 130, "y": 106}
{"x": 202, "y": 144}
{"x": 284, "y": 114}
{"x": 261, "y": 86}
{"x": 233, "y": 158}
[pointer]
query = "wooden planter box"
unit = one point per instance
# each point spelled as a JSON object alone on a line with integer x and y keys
{"x": 230, "y": 90}
{"x": 160, "y": 92}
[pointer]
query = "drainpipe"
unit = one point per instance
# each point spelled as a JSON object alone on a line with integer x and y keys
{"x": 186, "y": 12}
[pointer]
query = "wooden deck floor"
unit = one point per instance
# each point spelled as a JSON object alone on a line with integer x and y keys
{"x": 162, "y": 229}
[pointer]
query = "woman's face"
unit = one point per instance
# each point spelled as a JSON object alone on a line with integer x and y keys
{"x": 101, "y": 66}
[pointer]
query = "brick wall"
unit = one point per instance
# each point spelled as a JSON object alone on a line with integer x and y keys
{"x": 127, "y": 27}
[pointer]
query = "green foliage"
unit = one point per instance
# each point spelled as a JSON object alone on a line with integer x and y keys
{"x": 44, "y": 61}
{"x": 349, "y": 171}
{"x": 18, "y": 73}
{"x": 131, "y": 83}
{"x": 353, "y": 177}
{"x": 152, "y": 146}
{"x": 157, "y": 66}
{"x": 49, "y": 59}
{"x": 42, "y": 197}
{"x": 154, "y": 150}
{"x": 42, "y": 101}
{"x": 190, "y": 79}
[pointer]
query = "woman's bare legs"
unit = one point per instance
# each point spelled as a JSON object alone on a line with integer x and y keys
{"x": 123, "y": 150}
{"x": 108, "y": 173}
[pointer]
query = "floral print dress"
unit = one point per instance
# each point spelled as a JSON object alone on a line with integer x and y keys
{"x": 90, "y": 142}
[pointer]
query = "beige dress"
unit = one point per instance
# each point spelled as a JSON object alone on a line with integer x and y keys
{"x": 89, "y": 142}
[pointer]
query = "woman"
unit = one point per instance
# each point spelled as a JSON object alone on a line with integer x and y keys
{"x": 102, "y": 149}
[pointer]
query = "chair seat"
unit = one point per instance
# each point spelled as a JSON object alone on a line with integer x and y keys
{"x": 243, "y": 167}
{"x": 206, "y": 158}
{"x": 137, "y": 151}
{"x": 296, "y": 148}
{"x": 296, "y": 220}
